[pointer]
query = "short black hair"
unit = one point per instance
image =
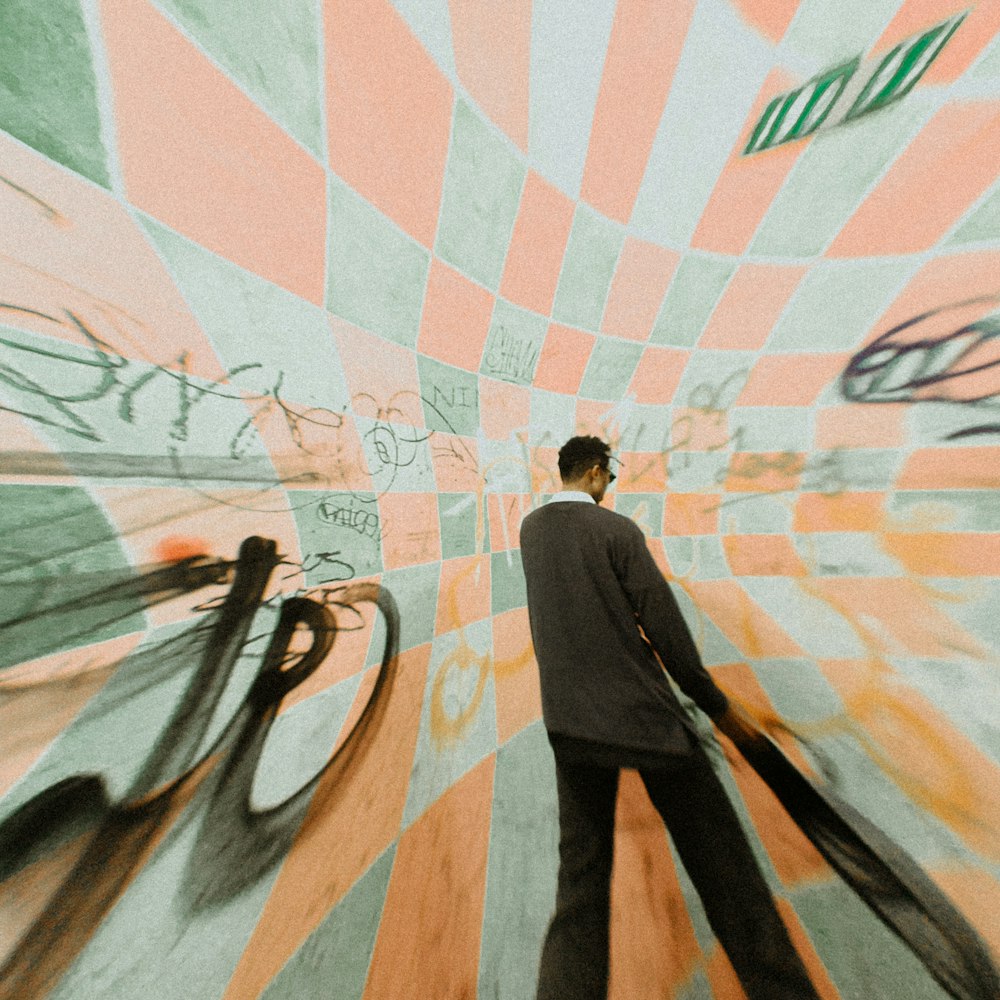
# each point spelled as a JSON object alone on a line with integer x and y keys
{"x": 579, "y": 454}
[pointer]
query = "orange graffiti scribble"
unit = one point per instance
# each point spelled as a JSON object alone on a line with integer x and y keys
{"x": 446, "y": 728}
{"x": 938, "y": 768}
{"x": 177, "y": 548}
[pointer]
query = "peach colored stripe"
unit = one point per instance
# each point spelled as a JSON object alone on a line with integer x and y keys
{"x": 762, "y": 555}
{"x": 328, "y": 855}
{"x": 795, "y": 859}
{"x": 38, "y": 699}
{"x": 725, "y": 986}
{"x": 807, "y": 951}
{"x": 722, "y": 981}
{"x": 537, "y": 245}
{"x": 951, "y": 468}
{"x": 347, "y": 659}
{"x": 564, "y": 358}
{"x": 901, "y": 607}
{"x": 764, "y": 471}
{"x": 945, "y": 553}
{"x": 975, "y": 892}
{"x": 592, "y": 417}
{"x": 790, "y": 379}
{"x": 432, "y": 919}
{"x": 28, "y": 892}
{"x": 740, "y": 683}
{"x": 658, "y": 374}
{"x": 748, "y": 184}
{"x": 642, "y": 472}
{"x": 940, "y": 174}
{"x": 973, "y": 34}
{"x": 456, "y": 318}
{"x": 703, "y": 427}
{"x": 503, "y": 408}
{"x": 858, "y": 425}
{"x": 741, "y": 619}
{"x": 653, "y": 947}
{"x": 518, "y": 695}
{"x": 456, "y": 463}
{"x": 750, "y": 306}
{"x": 944, "y": 284}
{"x": 18, "y": 434}
{"x": 198, "y": 154}
{"x": 67, "y": 258}
{"x": 503, "y": 511}
{"x": 388, "y": 113}
{"x": 411, "y": 532}
{"x": 545, "y": 467}
{"x": 645, "y": 46}
{"x": 691, "y": 514}
{"x": 492, "y": 45}
{"x": 380, "y": 375}
{"x": 772, "y": 18}
{"x": 463, "y": 594}
{"x": 640, "y": 282}
{"x": 843, "y": 512}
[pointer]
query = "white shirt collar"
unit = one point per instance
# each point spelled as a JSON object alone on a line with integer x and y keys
{"x": 577, "y": 496}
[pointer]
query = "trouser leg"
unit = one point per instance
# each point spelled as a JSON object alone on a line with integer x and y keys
{"x": 738, "y": 903}
{"x": 574, "y": 963}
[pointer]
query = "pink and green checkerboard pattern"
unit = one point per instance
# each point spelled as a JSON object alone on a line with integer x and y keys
{"x": 445, "y": 235}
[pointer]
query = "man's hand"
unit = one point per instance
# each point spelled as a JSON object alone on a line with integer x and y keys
{"x": 741, "y": 729}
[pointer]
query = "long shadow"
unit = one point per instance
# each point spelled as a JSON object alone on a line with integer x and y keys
{"x": 886, "y": 878}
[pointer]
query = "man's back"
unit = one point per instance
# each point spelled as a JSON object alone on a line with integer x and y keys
{"x": 591, "y": 582}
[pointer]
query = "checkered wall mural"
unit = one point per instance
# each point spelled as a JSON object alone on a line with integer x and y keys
{"x": 343, "y": 275}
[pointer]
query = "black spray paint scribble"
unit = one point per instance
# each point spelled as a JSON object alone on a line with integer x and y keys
{"x": 238, "y": 844}
{"x": 930, "y": 359}
{"x": 52, "y": 608}
{"x": 243, "y": 401}
{"x": 105, "y": 375}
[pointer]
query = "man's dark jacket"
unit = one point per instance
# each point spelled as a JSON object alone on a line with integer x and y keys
{"x": 591, "y": 583}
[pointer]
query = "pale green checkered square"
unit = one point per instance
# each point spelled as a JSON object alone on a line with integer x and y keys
{"x": 272, "y": 50}
{"x": 513, "y": 344}
{"x": 610, "y": 368}
{"x": 588, "y": 266}
{"x": 48, "y": 91}
{"x": 693, "y": 294}
{"x": 376, "y": 274}
{"x": 482, "y": 190}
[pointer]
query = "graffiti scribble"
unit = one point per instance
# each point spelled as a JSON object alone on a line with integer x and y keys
{"x": 930, "y": 359}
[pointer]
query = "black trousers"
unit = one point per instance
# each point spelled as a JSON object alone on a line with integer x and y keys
{"x": 711, "y": 844}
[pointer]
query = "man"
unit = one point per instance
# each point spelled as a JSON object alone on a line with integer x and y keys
{"x": 607, "y": 704}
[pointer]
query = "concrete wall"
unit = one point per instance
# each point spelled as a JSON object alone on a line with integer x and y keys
{"x": 344, "y": 275}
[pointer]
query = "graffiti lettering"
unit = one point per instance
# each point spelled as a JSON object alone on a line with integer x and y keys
{"x": 109, "y": 373}
{"x": 458, "y": 397}
{"x": 511, "y": 358}
{"x": 364, "y": 522}
{"x": 312, "y": 562}
{"x": 928, "y": 359}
